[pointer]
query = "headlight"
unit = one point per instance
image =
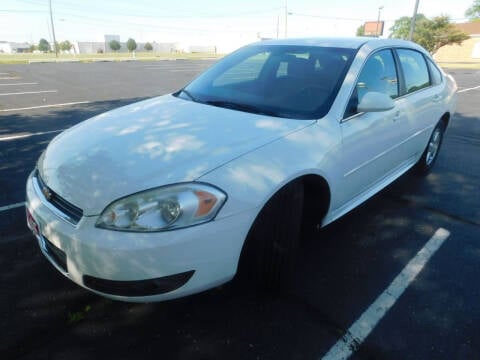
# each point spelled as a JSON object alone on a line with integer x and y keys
{"x": 165, "y": 208}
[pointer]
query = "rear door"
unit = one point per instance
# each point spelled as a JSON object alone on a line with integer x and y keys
{"x": 423, "y": 87}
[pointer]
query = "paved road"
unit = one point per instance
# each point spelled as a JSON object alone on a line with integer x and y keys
{"x": 343, "y": 267}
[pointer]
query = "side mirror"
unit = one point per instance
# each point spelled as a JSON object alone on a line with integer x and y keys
{"x": 374, "y": 101}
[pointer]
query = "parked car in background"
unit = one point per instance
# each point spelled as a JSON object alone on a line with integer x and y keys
{"x": 176, "y": 194}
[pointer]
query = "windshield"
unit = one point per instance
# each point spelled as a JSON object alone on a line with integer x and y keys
{"x": 297, "y": 82}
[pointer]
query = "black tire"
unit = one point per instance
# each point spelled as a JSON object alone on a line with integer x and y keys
{"x": 429, "y": 156}
{"x": 269, "y": 252}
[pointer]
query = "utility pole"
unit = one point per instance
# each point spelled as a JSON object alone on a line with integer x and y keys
{"x": 286, "y": 18}
{"x": 412, "y": 23}
{"x": 278, "y": 24}
{"x": 378, "y": 20}
{"x": 53, "y": 30}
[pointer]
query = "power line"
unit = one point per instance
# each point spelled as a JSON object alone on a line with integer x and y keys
{"x": 60, "y": 6}
{"x": 136, "y": 25}
{"x": 327, "y": 17}
{"x": 22, "y": 11}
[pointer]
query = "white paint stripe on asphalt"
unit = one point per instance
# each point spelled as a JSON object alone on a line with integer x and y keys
{"x": 21, "y": 136}
{"x": 171, "y": 69}
{"x": 10, "y": 78}
{"x": 359, "y": 331}
{"x": 28, "y": 92}
{"x": 13, "y": 206}
{"x": 12, "y": 84}
{"x": 46, "y": 106}
{"x": 167, "y": 64}
{"x": 468, "y": 89}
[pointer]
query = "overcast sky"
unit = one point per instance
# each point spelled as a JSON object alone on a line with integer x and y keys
{"x": 226, "y": 24}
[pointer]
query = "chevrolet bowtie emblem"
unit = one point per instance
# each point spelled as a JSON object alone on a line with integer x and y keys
{"x": 47, "y": 193}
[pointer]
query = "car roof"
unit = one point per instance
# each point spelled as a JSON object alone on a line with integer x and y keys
{"x": 341, "y": 42}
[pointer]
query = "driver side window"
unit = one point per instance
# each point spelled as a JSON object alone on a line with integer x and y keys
{"x": 379, "y": 74}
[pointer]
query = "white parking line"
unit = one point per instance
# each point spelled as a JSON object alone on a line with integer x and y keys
{"x": 10, "y": 78}
{"x": 46, "y": 106}
{"x": 358, "y": 332}
{"x": 170, "y": 68}
{"x": 29, "y": 92}
{"x": 13, "y": 206}
{"x": 468, "y": 89}
{"x": 25, "y": 135}
{"x": 13, "y": 84}
{"x": 165, "y": 66}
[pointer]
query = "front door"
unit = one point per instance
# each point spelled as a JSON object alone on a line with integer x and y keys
{"x": 373, "y": 141}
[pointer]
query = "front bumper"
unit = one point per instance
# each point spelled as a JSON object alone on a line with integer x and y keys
{"x": 139, "y": 267}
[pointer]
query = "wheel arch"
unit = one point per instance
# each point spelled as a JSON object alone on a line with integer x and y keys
{"x": 317, "y": 195}
{"x": 317, "y": 198}
{"x": 316, "y": 203}
{"x": 445, "y": 119}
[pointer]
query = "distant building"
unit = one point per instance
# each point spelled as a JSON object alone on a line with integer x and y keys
{"x": 95, "y": 47}
{"x": 468, "y": 51}
{"x": 88, "y": 47}
{"x": 202, "y": 49}
{"x": 8, "y": 47}
{"x": 163, "y": 47}
{"x": 109, "y": 38}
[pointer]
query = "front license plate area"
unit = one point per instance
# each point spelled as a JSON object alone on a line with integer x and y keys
{"x": 53, "y": 253}
{"x": 32, "y": 223}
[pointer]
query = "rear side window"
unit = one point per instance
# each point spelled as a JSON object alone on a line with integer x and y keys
{"x": 435, "y": 75}
{"x": 414, "y": 69}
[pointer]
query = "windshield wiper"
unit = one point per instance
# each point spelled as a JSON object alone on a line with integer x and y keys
{"x": 186, "y": 92}
{"x": 241, "y": 107}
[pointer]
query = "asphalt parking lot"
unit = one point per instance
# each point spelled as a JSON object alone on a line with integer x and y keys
{"x": 344, "y": 268}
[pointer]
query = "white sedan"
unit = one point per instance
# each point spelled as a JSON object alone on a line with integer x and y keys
{"x": 176, "y": 194}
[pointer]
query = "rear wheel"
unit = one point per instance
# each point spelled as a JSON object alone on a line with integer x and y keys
{"x": 429, "y": 156}
{"x": 269, "y": 253}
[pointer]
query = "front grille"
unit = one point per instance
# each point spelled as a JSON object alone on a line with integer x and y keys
{"x": 57, "y": 255}
{"x": 71, "y": 213}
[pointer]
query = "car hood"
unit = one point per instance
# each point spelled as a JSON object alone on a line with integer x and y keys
{"x": 152, "y": 143}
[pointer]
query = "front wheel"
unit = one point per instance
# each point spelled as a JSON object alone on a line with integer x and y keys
{"x": 429, "y": 156}
{"x": 269, "y": 252}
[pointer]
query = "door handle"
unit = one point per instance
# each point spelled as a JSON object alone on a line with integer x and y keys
{"x": 396, "y": 116}
{"x": 436, "y": 98}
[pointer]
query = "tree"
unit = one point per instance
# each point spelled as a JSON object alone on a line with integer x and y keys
{"x": 473, "y": 12}
{"x": 432, "y": 34}
{"x": 148, "y": 46}
{"x": 32, "y": 48}
{"x": 401, "y": 27}
{"x": 43, "y": 45}
{"x": 438, "y": 32}
{"x": 361, "y": 30}
{"x": 114, "y": 45}
{"x": 131, "y": 45}
{"x": 65, "y": 45}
